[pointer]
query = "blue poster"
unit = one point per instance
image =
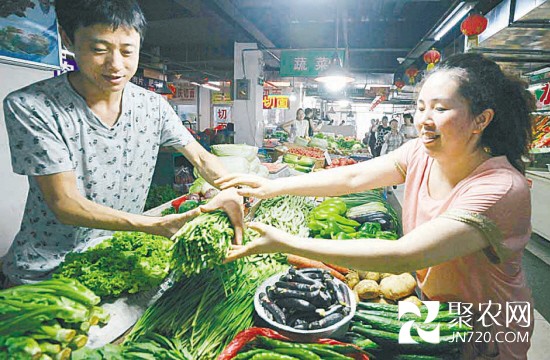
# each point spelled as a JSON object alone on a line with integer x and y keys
{"x": 28, "y": 33}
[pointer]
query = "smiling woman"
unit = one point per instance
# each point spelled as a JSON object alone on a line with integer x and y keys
{"x": 466, "y": 212}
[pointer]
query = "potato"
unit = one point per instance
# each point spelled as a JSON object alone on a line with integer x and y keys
{"x": 385, "y": 275}
{"x": 369, "y": 275}
{"x": 367, "y": 289}
{"x": 357, "y": 299}
{"x": 379, "y": 300}
{"x": 397, "y": 286}
{"x": 413, "y": 299}
{"x": 352, "y": 279}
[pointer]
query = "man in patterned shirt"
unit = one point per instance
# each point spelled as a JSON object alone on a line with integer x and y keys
{"x": 88, "y": 142}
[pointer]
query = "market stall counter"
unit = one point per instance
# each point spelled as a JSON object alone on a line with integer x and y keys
{"x": 540, "y": 198}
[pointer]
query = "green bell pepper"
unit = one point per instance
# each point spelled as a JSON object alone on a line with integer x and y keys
{"x": 342, "y": 236}
{"x": 325, "y": 215}
{"x": 371, "y": 227}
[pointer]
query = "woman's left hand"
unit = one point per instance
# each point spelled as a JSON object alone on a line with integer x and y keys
{"x": 271, "y": 240}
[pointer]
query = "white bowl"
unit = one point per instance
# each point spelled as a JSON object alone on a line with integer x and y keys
{"x": 335, "y": 330}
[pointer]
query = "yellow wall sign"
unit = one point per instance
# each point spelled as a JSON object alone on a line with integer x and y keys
{"x": 275, "y": 102}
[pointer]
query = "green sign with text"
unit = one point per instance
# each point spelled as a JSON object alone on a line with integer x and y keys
{"x": 306, "y": 63}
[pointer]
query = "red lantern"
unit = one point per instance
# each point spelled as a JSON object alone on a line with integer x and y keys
{"x": 472, "y": 26}
{"x": 411, "y": 73}
{"x": 431, "y": 58}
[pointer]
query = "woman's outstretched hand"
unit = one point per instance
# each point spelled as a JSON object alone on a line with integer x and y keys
{"x": 250, "y": 185}
{"x": 271, "y": 240}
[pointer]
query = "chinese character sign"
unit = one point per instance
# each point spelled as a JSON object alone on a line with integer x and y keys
{"x": 222, "y": 114}
{"x": 306, "y": 63}
{"x": 543, "y": 96}
{"x": 275, "y": 102}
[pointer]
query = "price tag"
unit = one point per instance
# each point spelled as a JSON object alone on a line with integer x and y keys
{"x": 327, "y": 158}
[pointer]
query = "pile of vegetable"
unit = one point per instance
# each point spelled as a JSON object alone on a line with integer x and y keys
{"x": 287, "y": 213}
{"x": 371, "y": 207}
{"x": 202, "y": 243}
{"x": 263, "y": 343}
{"x": 311, "y": 152}
{"x": 337, "y": 162}
{"x": 160, "y": 194}
{"x": 212, "y": 307}
{"x": 383, "y": 287}
{"x": 328, "y": 221}
{"x": 541, "y": 131}
{"x": 300, "y": 163}
{"x": 128, "y": 262}
{"x": 47, "y": 320}
{"x": 240, "y": 158}
{"x": 339, "y": 145}
{"x": 152, "y": 346}
{"x": 376, "y": 328}
{"x": 306, "y": 299}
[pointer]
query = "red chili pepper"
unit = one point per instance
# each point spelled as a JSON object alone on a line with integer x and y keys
{"x": 246, "y": 336}
{"x": 177, "y": 202}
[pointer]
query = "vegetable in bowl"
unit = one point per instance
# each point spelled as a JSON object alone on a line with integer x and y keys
{"x": 306, "y": 304}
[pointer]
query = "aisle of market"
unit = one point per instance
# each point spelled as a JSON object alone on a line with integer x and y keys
{"x": 201, "y": 180}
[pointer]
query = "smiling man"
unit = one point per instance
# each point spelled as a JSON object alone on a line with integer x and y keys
{"x": 88, "y": 142}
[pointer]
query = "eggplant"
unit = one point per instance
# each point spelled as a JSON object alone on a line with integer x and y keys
{"x": 296, "y": 277}
{"x": 345, "y": 292}
{"x": 293, "y": 304}
{"x": 337, "y": 292}
{"x": 333, "y": 309}
{"x": 280, "y": 293}
{"x": 326, "y": 321}
{"x": 272, "y": 308}
{"x": 297, "y": 286}
{"x": 322, "y": 300}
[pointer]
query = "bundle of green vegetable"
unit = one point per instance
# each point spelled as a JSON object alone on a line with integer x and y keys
{"x": 376, "y": 327}
{"x": 128, "y": 262}
{"x": 287, "y": 213}
{"x": 47, "y": 320}
{"x": 151, "y": 347}
{"x": 212, "y": 307}
{"x": 202, "y": 243}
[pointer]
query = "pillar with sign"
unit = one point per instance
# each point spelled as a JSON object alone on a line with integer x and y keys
{"x": 247, "y": 107}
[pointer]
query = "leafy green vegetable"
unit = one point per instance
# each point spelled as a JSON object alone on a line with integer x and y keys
{"x": 51, "y": 317}
{"x": 202, "y": 243}
{"x": 160, "y": 194}
{"x": 213, "y": 307}
{"x": 128, "y": 262}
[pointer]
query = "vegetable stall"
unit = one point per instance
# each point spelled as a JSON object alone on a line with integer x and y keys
{"x": 261, "y": 307}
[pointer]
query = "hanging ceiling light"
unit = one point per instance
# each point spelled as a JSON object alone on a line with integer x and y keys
{"x": 335, "y": 78}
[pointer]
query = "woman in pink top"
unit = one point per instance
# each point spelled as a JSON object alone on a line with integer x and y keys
{"x": 466, "y": 212}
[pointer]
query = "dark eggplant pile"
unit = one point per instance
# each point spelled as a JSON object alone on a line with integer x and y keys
{"x": 306, "y": 299}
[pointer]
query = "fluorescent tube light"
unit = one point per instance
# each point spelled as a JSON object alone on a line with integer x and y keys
{"x": 210, "y": 87}
{"x": 206, "y": 86}
{"x": 458, "y": 13}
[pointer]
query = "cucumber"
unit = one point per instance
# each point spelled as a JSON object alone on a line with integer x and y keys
{"x": 418, "y": 357}
{"x": 390, "y": 340}
{"x": 394, "y": 308}
{"x": 444, "y": 316}
{"x": 386, "y": 324}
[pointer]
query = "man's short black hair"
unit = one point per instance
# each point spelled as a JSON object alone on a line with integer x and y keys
{"x": 73, "y": 14}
